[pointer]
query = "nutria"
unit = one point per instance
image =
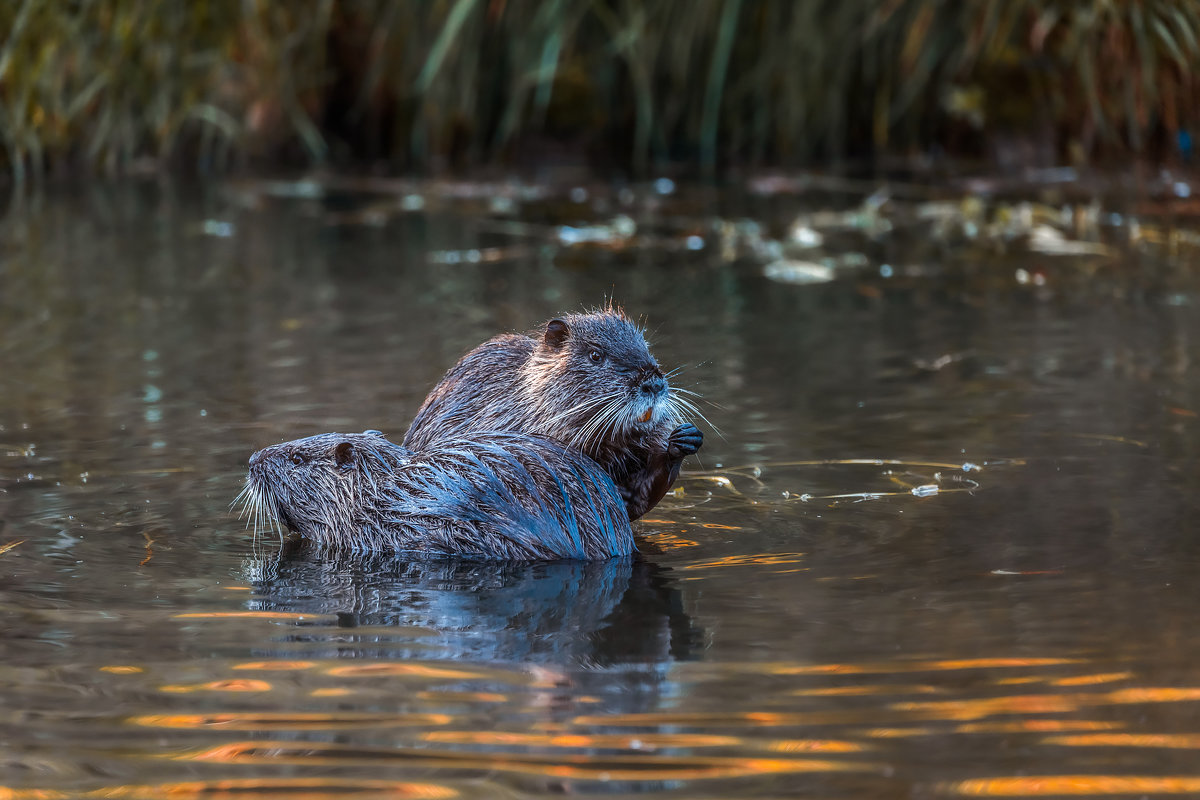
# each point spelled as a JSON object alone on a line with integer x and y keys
{"x": 493, "y": 496}
{"x": 585, "y": 380}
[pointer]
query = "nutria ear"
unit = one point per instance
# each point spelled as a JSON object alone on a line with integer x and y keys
{"x": 556, "y": 333}
{"x": 343, "y": 454}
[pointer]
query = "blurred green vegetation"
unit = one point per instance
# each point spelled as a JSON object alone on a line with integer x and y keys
{"x": 110, "y": 85}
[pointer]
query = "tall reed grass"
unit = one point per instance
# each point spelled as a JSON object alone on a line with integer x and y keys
{"x": 111, "y": 85}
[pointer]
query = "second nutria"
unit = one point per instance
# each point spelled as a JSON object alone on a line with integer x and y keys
{"x": 492, "y": 496}
{"x": 587, "y": 381}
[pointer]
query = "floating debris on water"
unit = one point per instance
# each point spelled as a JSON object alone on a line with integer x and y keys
{"x": 787, "y": 271}
{"x": 1053, "y": 242}
{"x": 804, "y": 236}
{"x": 620, "y": 229}
{"x": 484, "y": 255}
{"x": 217, "y": 228}
{"x": 502, "y": 205}
{"x": 939, "y": 363}
{"x": 292, "y": 190}
{"x": 1024, "y": 277}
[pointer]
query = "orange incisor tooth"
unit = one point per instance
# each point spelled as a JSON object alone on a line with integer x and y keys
{"x": 646, "y": 416}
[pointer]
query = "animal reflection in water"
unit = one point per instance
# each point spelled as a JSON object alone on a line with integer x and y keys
{"x": 564, "y": 612}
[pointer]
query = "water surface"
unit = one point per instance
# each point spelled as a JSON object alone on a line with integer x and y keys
{"x": 1022, "y": 624}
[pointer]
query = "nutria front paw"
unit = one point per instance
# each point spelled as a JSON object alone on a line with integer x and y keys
{"x": 684, "y": 440}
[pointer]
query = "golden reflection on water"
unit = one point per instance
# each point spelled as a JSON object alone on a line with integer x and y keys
{"x": 876, "y": 715}
{"x": 753, "y": 559}
{"x": 1091, "y": 680}
{"x": 276, "y": 666}
{"x": 272, "y": 615}
{"x": 1039, "y": 726}
{"x": 1152, "y": 694}
{"x": 1074, "y": 785}
{"x": 639, "y": 767}
{"x": 267, "y": 720}
{"x": 938, "y": 665}
{"x": 464, "y": 697}
{"x": 249, "y": 789}
{"x": 403, "y": 670}
{"x": 898, "y": 733}
{"x": 814, "y": 746}
{"x": 728, "y": 719}
{"x": 1177, "y": 741}
{"x": 977, "y": 708}
{"x": 648, "y": 742}
{"x": 866, "y": 690}
{"x": 227, "y": 685}
{"x": 880, "y": 723}
{"x": 664, "y": 540}
{"x": 1044, "y": 703}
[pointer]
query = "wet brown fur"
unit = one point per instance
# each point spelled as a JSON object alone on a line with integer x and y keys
{"x": 489, "y": 496}
{"x": 585, "y": 380}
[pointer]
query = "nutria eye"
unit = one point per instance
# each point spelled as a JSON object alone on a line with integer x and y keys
{"x": 297, "y": 458}
{"x": 595, "y": 356}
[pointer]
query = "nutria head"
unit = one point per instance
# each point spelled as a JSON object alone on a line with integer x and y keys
{"x": 317, "y": 487}
{"x": 591, "y": 379}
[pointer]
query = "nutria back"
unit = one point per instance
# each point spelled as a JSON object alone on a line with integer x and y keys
{"x": 495, "y": 495}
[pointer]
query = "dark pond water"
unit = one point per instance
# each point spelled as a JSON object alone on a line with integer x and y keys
{"x": 1009, "y": 609}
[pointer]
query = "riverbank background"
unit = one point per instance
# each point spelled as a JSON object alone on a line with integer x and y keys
{"x": 626, "y": 86}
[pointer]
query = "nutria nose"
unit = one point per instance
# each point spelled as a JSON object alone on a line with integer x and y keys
{"x": 257, "y": 457}
{"x": 654, "y": 386}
